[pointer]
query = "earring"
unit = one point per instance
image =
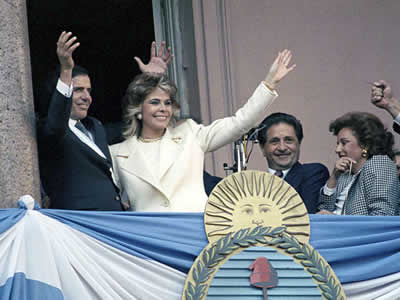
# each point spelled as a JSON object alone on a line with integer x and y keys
{"x": 139, "y": 116}
{"x": 364, "y": 153}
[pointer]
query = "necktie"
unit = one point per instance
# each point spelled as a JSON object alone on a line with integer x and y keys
{"x": 278, "y": 173}
{"x": 82, "y": 128}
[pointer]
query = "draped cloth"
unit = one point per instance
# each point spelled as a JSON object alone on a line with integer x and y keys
{"x": 61, "y": 254}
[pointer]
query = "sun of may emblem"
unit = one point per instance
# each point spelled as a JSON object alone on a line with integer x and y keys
{"x": 255, "y": 198}
{"x": 259, "y": 215}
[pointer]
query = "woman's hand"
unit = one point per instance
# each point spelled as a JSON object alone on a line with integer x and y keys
{"x": 279, "y": 68}
{"x": 343, "y": 164}
{"x": 158, "y": 62}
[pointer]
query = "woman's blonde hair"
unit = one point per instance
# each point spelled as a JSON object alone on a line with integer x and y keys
{"x": 137, "y": 91}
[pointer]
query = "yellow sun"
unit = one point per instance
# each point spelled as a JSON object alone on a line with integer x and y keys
{"x": 255, "y": 198}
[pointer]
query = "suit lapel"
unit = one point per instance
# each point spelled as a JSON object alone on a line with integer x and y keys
{"x": 350, "y": 191}
{"x": 133, "y": 161}
{"x": 294, "y": 176}
{"x": 170, "y": 149}
{"x": 99, "y": 137}
{"x": 86, "y": 142}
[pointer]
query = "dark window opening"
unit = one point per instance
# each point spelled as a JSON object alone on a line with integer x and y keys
{"x": 111, "y": 33}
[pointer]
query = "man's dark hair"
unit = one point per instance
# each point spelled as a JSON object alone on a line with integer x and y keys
{"x": 78, "y": 70}
{"x": 50, "y": 85}
{"x": 277, "y": 118}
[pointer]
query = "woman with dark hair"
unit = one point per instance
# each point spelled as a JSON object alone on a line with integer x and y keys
{"x": 159, "y": 167}
{"x": 364, "y": 179}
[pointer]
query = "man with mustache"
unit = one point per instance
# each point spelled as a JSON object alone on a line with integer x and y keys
{"x": 75, "y": 162}
{"x": 280, "y": 139}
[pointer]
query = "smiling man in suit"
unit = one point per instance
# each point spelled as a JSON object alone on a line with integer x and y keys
{"x": 280, "y": 139}
{"x": 75, "y": 162}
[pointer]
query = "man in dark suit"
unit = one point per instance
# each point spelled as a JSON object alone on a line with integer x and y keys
{"x": 75, "y": 162}
{"x": 280, "y": 138}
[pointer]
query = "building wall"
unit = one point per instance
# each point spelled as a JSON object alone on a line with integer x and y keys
{"x": 338, "y": 47}
{"x": 19, "y": 173}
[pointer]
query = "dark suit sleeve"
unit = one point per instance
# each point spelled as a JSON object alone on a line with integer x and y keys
{"x": 52, "y": 128}
{"x": 396, "y": 127}
{"x": 210, "y": 182}
{"x": 316, "y": 177}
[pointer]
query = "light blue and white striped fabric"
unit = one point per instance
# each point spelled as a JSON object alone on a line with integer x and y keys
{"x": 232, "y": 278}
{"x": 58, "y": 254}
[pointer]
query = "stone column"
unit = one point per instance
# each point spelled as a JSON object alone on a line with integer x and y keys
{"x": 19, "y": 172}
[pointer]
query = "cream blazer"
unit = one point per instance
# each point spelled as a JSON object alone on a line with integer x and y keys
{"x": 180, "y": 187}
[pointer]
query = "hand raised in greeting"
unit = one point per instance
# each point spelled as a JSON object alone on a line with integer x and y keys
{"x": 158, "y": 61}
{"x": 279, "y": 69}
{"x": 66, "y": 46}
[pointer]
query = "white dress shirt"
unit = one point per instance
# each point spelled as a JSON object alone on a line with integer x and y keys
{"x": 342, "y": 197}
{"x": 272, "y": 171}
{"x": 67, "y": 92}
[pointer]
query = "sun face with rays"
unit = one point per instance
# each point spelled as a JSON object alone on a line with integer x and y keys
{"x": 253, "y": 212}
{"x": 251, "y": 199}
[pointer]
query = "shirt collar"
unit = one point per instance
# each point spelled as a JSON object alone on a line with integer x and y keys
{"x": 72, "y": 122}
{"x": 272, "y": 171}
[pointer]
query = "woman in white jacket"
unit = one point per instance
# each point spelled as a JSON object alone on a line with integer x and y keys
{"x": 159, "y": 166}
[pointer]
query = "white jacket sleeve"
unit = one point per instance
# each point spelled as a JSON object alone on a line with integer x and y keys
{"x": 227, "y": 130}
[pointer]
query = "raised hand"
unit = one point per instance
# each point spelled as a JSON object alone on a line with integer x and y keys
{"x": 378, "y": 91}
{"x": 382, "y": 97}
{"x": 279, "y": 68}
{"x": 66, "y": 45}
{"x": 158, "y": 61}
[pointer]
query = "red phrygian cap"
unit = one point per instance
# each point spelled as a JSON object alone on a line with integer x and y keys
{"x": 264, "y": 275}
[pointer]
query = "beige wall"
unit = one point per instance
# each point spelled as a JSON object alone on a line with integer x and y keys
{"x": 338, "y": 46}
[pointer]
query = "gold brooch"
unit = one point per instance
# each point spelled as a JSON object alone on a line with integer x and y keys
{"x": 177, "y": 139}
